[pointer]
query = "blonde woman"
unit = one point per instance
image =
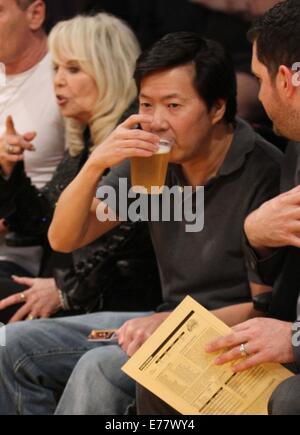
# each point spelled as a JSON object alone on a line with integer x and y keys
{"x": 94, "y": 59}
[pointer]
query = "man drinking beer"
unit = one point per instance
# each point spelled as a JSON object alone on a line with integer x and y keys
{"x": 187, "y": 96}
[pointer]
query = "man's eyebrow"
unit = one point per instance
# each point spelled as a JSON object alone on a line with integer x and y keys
{"x": 166, "y": 97}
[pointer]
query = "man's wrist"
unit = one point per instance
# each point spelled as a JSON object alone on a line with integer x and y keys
{"x": 261, "y": 250}
{"x": 64, "y": 305}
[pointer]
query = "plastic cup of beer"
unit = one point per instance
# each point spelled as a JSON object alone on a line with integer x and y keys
{"x": 148, "y": 174}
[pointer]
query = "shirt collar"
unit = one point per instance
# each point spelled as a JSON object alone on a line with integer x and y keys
{"x": 243, "y": 143}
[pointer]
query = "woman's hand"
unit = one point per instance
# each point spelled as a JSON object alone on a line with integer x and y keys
{"x": 13, "y": 145}
{"x": 125, "y": 142}
{"x": 41, "y": 300}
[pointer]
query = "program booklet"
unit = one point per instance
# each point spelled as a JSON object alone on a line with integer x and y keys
{"x": 173, "y": 365}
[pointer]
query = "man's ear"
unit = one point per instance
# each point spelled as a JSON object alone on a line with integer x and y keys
{"x": 218, "y": 111}
{"x": 285, "y": 81}
{"x": 36, "y": 14}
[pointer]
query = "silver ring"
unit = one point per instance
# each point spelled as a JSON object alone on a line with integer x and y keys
{"x": 243, "y": 350}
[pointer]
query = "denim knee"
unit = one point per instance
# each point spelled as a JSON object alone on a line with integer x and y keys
{"x": 22, "y": 340}
{"x": 14, "y": 341}
{"x": 105, "y": 361}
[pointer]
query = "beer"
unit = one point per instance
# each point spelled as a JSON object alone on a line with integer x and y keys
{"x": 150, "y": 172}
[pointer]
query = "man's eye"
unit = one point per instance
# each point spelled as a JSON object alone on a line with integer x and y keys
{"x": 173, "y": 105}
{"x": 145, "y": 105}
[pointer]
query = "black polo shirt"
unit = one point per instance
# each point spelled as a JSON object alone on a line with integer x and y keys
{"x": 210, "y": 265}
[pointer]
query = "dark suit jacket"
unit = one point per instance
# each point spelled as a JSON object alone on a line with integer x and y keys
{"x": 282, "y": 269}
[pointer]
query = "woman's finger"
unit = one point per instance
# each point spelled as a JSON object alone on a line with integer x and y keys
{"x": 21, "y": 314}
{"x": 10, "y": 126}
{"x": 23, "y": 280}
{"x": 29, "y": 136}
{"x": 11, "y": 300}
{"x": 17, "y": 140}
{"x": 36, "y": 312}
{"x": 44, "y": 315}
{"x": 13, "y": 149}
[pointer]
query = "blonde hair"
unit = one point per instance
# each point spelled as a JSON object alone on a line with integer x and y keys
{"x": 106, "y": 49}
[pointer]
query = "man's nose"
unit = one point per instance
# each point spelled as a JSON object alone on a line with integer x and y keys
{"x": 159, "y": 122}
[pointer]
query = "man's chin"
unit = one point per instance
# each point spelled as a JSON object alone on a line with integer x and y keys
{"x": 174, "y": 159}
{"x": 177, "y": 162}
{"x": 277, "y": 131}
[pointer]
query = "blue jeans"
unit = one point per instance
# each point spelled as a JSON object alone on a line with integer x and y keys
{"x": 45, "y": 361}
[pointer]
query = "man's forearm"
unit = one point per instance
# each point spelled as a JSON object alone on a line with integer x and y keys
{"x": 235, "y": 314}
{"x": 73, "y": 210}
{"x": 75, "y": 222}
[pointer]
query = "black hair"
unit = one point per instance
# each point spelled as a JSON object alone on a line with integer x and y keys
{"x": 214, "y": 72}
{"x": 277, "y": 34}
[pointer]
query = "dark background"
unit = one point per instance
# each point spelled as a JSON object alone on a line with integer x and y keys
{"x": 151, "y": 19}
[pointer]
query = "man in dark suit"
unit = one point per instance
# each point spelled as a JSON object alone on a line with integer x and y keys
{"x": 273, "y": 231}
